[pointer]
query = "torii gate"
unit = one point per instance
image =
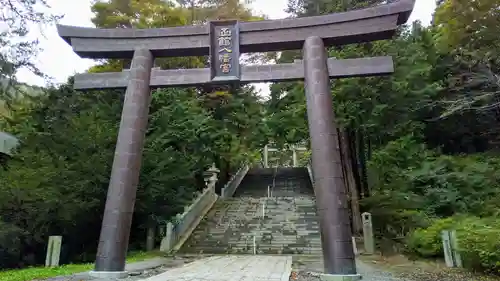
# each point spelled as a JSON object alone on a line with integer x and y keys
{"x": 293, "y": 148}
{"x": 223, "y": 41}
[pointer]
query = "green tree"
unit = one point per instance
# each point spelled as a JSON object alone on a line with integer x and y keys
{"x": 17, "y": 51}
{"x": 467, "y": 32}
{"x": 66, "y": 151}
{"x": 469, "y": 27}
{"x": 179, "y": 144}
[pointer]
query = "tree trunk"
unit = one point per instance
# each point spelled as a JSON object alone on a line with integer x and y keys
{"x": 350, "y": 182}
{"x": 200, "y": 180}
{"x": 224, "y": 167}
{"x": 354, "y": 160}
{"x": 344, "y": 162}
{"x": 362, "y": 162}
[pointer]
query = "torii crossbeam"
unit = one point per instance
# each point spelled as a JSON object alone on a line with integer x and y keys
{"x": 249, "y": 74}
{"x": 224, "y": 41}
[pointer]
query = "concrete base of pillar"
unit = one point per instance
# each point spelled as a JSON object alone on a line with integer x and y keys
{"x": 108, "y": 274}
{"x": 340, "y": 277}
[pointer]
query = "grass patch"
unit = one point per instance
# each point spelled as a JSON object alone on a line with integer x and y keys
{"x": 137, "y": 256}
{"x": 31, "y": 273}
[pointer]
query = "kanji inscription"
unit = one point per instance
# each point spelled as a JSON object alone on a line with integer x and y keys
{"x": 224, "y": 51}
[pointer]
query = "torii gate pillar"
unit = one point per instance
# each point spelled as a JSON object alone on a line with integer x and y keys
{"x": 117, "y": 220}
{"x": 329, "y": 186}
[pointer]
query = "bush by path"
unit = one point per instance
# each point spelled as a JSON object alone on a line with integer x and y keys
{"x": 478, "y": 241}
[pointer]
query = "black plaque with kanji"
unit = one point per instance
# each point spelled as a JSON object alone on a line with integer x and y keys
{"x": 225, "y": 51}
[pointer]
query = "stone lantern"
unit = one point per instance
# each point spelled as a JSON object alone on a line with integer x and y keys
{"x": 210, "y": 175}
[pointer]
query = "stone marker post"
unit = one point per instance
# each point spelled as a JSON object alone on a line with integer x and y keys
{"x": 452, "y": 257}
{"x": 150, "y": 238}
{"x": 53, "y": 251}
{"x": 167, "y": 241}
{"x": 354, "y": 246}
{"x": 448, "y": 257}
{"x": 294, "y": 157}
{"x": 266, "y": 156}
{"x": 454, "y": 248}
{"x": 368, "y": 233}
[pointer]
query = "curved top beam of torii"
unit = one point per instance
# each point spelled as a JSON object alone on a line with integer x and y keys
{"x": 376, "y": 23}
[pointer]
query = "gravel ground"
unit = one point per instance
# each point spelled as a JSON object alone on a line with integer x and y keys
{"x": 447, "y": 275}
{"x": 308, "y": 268}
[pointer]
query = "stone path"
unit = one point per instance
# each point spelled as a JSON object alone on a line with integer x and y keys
{"x": 231, "y": 268}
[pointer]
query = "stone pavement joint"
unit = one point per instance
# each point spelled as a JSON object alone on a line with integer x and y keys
{"x": 334, "y": 277}
{"x": 231, "y": 268}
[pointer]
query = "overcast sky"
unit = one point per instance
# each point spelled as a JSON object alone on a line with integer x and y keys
{"x": 59, "y": 62}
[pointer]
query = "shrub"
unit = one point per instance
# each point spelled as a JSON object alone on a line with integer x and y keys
{"x": 477, "y": 241}
{"x": 426, "y": 242}
{"x": 10, "y": 244}
{"x": 439, "y": 185}
{"x": 479, "y": 244}
{"x": 394, "y": 215}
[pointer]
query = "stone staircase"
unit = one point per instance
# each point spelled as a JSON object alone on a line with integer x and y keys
{"x": 289, "y": 224}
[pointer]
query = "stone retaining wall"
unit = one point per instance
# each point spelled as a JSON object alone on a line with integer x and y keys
{"x": 178, "y": 232}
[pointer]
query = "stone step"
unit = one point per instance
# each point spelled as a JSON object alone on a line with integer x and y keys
{"x": 267, "y": 228}
{"x": 289, "y": 229}
{"x": 277, "y": 243}
{"x": 260, "y": 237}
{"x": 243, "y": 244}
{"x": 235, "y": 227}
{"x": 250, "y": 246}
{"x": 310, "y": 208}
{"x": 266, "y": 248}
{"x": 280, "y": 241}
{"x": 259, "y": 245}
{"x": 250, "y": 250}
{"x": 239, "y": 237}
{"x": 290, "y": 224}
{"x": 280, "y": 216}
{"x": 274, "y": 239}
{"x": 258, "y": 241}
{"x": 278, "y": 219}
{"x": 258, "y": 232}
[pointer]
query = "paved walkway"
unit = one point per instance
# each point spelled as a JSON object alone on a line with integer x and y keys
{"x": 231, "y": 268}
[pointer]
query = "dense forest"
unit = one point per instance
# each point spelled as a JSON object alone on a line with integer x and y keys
{"x": 423, "y": 143}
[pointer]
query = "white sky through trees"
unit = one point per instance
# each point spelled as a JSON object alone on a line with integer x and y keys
{"x": 58, "y": 61}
